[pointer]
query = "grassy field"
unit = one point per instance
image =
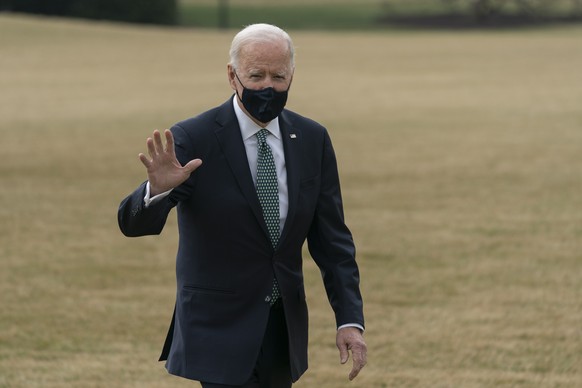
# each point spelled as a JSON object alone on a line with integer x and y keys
{"x": 461, "y": 163}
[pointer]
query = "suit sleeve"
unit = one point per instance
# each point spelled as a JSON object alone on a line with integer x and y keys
{"x": 331, "y": 245}
{"x": 135, "y": 219}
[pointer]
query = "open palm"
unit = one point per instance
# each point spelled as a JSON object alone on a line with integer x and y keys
{"x": 165, "y": 171}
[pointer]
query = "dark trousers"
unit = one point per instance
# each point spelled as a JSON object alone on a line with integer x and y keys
{"x": 272, "y": 367}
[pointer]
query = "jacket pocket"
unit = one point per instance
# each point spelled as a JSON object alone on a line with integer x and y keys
{"x": 207, "y": 289}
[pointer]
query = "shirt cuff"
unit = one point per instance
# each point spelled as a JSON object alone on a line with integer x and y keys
{"x": 352, "y": 325}
{"x": 156, "y": 198}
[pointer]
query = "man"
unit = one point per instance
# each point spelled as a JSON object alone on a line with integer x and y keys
{"x": 251, "y": 182}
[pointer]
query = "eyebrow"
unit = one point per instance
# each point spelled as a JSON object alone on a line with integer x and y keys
{"x": 277, "y": 71}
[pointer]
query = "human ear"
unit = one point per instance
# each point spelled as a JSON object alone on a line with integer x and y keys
{"x": 231, "y": 76}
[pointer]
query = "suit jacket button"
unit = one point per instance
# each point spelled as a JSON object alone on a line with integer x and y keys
{"x": 268, "y": 299}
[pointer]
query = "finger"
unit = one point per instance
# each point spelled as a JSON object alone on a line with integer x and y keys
{"x": 354, "y": 373}
{"x": 344, "y": 355}
{"x": 359, "y": 357}
{"x": 169, "y": 141}
{"x": 159, "y": 146}
{"x": 146, "y": 162}
{"x": 151, "y": 148}
{"x": 192, "y": 165}
{"x": 356, "y": 367}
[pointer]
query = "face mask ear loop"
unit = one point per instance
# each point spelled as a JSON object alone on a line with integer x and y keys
{"x": 236, "y": 75}
{"x": 240, "y": 82}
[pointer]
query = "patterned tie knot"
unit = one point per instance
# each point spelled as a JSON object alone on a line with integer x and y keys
{"x": 262, "y": 136}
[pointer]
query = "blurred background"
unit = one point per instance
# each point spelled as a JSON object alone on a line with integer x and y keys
{"x": 458, "y": 131}
{"x": 313, "y": 14}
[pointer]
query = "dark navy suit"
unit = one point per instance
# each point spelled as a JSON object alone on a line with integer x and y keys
{"x": 225, "y": 262}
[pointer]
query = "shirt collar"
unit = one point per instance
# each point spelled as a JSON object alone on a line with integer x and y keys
{"x": 248, "y": 127}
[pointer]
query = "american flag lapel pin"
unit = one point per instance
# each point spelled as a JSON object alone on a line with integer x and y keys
{"x": 293, "y": 136}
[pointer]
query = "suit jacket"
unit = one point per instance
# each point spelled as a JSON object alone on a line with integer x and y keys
{"x": 225, "y": 261}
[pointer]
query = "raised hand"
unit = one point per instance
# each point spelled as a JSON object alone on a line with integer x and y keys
{"x": 164, "y": 170}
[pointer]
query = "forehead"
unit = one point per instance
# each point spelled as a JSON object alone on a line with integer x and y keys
{"x": 262, "y": 55}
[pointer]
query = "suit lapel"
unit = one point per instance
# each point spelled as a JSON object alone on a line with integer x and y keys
{"x": 233, "y": 149}
{"x": 292, "y": 140}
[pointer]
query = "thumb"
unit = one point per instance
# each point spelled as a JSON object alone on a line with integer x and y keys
{"x": 192, "y": 165}
{"x": 344, "y": 355}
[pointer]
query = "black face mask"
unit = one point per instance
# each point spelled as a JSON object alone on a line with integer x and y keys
{"x": 265, "y": 104}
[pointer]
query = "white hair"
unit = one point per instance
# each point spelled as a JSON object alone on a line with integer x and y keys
{"x": 259, "y": 33}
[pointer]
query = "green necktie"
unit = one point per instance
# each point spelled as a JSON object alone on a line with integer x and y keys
{"x": 268, "y": 193}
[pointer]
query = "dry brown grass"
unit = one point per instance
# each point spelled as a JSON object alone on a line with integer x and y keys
{"x": 461, "y": 166}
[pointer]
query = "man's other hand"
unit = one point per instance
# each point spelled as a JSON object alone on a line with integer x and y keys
{"x": 350, "y": 339}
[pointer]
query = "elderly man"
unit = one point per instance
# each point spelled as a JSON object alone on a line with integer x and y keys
{"x": 251, "y": 182}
